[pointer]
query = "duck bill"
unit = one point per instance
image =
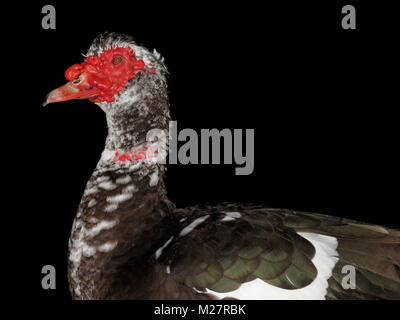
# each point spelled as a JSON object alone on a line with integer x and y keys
{"x": 71, "y": 91}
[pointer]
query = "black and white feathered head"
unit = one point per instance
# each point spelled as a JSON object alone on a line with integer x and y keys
{"x": 127, "y": 81}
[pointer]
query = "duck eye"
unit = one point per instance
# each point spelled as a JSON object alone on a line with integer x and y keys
{"x": 117, "y": 60}
{"x": 77, "y": 80}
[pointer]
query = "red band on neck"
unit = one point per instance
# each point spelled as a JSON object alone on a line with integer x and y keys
{"x": 137, "y": 154}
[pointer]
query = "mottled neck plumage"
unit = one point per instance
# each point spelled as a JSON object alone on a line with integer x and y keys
{"x": 123, "y": 200}
{"x": 142, "y": 106}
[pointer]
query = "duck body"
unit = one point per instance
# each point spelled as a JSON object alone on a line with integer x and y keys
{"x": 148, "y": 249}
{"x": 129, "y": 241}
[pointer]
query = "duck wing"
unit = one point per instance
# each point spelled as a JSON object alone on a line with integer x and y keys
{"x": 250, "y": 252}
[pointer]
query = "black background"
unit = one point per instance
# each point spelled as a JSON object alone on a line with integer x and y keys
{"x": 319, "y": 98}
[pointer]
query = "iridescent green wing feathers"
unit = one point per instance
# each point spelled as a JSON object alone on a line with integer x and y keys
{"x": 221, "y": 254}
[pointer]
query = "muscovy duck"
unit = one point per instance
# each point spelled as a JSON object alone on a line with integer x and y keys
{"x": 129, "y": 241}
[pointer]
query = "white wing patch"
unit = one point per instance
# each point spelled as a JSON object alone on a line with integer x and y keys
{"x": 229, "y": 216}
{"x": 190, "y": 227}
{"x": 324, "y": 260}
{"x": 161, "y": 249}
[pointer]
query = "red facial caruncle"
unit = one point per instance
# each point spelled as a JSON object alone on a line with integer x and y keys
{"x": 99, "y": 78}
